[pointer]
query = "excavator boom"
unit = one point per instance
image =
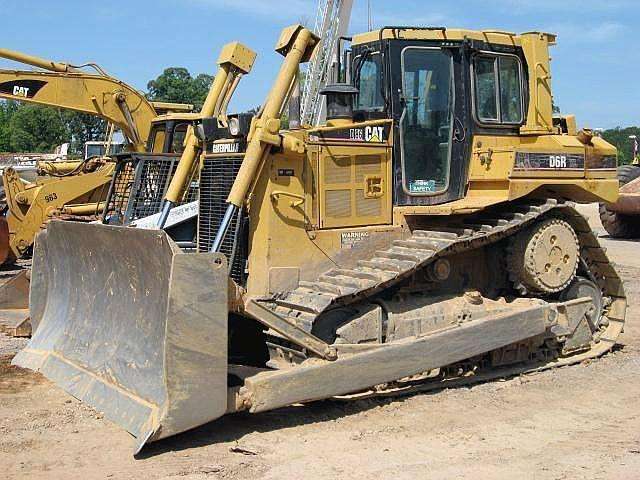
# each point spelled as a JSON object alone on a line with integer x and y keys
{"x": 108, "y": 98}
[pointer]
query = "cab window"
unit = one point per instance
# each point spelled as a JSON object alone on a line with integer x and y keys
{"x": 179, "y": 134}
{"x": 498, "y": 89}
{"x": 157, "y": 139}
{"x": 368, "y": 80}
{"x": 425, "y": 124}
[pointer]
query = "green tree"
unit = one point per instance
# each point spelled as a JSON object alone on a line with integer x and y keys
{"x": 81, "y": 128}
{"x": 7, "y": 110}
{"x": 620, "y": 138}
{"x": 177, "y": 85}
{"x": 36, "y": 129}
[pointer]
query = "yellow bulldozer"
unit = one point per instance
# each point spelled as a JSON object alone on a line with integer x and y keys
{"x": 425, "y": 235}
{"x": 129, "y": 186}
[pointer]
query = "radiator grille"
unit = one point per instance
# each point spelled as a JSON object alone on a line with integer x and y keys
{"x": 119, "y": 193}
{"x": 216, "y": 179}
{"x": 367, "y": 207}
{"x": 139, "y": 186}
{"x": 367, "y": 165}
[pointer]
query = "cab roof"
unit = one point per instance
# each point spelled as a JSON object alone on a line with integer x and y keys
{"x": 189, "y": 117}
{"x": 448, "y": 34}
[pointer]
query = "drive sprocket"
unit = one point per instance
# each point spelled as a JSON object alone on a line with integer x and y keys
{"x": 544, "y": 258}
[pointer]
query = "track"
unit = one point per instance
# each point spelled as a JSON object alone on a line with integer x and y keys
{"x": 339, "y": 287}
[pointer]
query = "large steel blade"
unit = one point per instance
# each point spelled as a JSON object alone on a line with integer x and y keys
{"x": 6, "y": 255}
{"x": 131, "y": 325}
{"x": 14, "y": 306}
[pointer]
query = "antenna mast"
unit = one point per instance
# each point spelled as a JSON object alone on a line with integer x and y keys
{"x": 332, "y": 22}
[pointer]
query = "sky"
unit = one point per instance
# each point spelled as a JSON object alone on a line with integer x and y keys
{"x": 595, "y": 64}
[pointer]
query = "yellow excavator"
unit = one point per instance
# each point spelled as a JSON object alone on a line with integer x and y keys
{"x": 156, "y": 132}
{"x": 78, "y": 186}
{"x": 424, "y": 236}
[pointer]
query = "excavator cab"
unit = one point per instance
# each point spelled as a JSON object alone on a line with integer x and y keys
{"x": 168, "y": 133}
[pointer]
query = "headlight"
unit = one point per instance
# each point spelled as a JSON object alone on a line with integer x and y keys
{"x": 234, "y": 126}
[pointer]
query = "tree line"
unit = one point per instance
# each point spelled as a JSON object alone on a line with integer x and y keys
{"x": 620, "y": 138}
{"x": 39, "y": 129}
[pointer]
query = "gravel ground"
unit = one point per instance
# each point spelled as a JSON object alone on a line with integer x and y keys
{"x": 580, "y": 422}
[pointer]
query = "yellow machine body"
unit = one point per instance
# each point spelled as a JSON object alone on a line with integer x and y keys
{"x": 31, "y": 205}
{"x": 303, "y": 223}
{"x": 426, "y": 232}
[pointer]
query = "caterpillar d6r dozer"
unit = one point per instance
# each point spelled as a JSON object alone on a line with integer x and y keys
{"x": 425, "y": 235}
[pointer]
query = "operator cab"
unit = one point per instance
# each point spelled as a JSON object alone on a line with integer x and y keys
{"x": 168, "y": 132}
{"x": 441, "y": 88}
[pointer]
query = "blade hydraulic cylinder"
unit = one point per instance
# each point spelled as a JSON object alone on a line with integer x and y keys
{"x": 224, "y": 226}
{"x": 297, "y": 44}
{"x": 235, "y": 60}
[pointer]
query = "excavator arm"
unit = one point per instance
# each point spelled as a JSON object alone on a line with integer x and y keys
{"x": 67, "y": 87}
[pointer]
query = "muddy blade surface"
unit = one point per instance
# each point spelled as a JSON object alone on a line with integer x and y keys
{"x": 14, "y": 306}
{"x": 5, "y": 251}
{"x": 130, "y": 325}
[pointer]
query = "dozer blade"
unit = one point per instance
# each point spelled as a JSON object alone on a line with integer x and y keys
{"x": 130, "y": 325}
{"x": 14, "y": 306}
{"x": 6, "y": 256}
{"x": 14, "y": 293}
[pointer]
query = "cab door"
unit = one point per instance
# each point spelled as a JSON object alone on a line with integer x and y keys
{"x": 430, "y": 108}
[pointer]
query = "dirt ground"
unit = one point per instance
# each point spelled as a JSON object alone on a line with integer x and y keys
{"x": 580, "y": 422}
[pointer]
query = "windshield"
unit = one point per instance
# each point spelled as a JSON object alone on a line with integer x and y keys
{"x": 368, "y": 80}
{"x": 426, "y": 120}
{"x": 179, "y": 134}
{"x": 98, "y": 149}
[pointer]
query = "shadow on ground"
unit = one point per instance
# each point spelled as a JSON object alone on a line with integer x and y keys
{"x": 232, "y": 428}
